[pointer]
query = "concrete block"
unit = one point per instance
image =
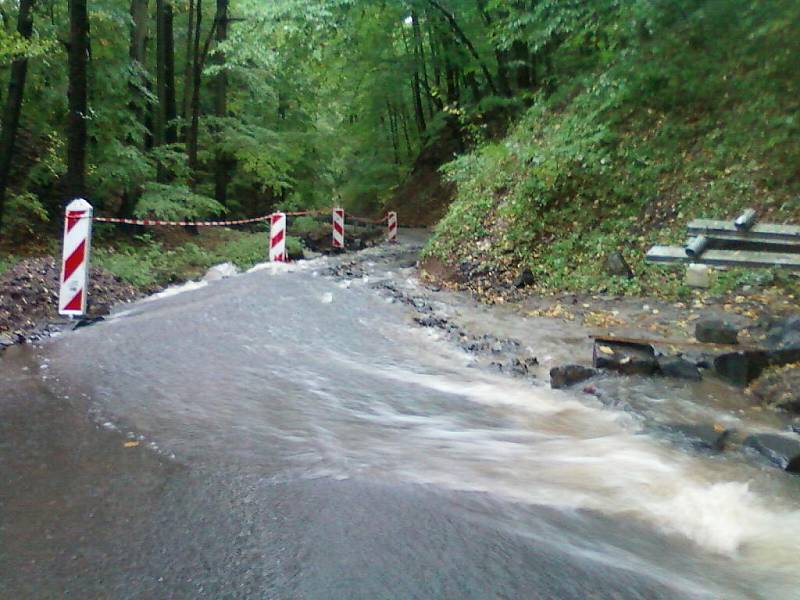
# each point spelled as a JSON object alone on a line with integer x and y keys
{"x": 700, "y": 276}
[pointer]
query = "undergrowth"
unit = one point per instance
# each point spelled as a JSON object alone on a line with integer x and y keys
{"x": 147, "y": 263}
{"x": 699, "y": 120}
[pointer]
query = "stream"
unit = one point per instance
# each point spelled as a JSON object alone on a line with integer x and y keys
{"x": 286, "y": 433}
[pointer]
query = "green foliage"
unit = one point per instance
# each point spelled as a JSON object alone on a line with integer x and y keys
{"x": 147, "y": 263}
{"x": 13, "y": 46}
{"x": 6, "y": 262}
{"x": 672, "y": 120}
{"x": 174, "y": 203}
{"x": 22, "y": 215}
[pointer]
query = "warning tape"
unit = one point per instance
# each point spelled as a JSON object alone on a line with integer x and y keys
{"x": 265, "y": 218}
{"x": 152, "y": 222}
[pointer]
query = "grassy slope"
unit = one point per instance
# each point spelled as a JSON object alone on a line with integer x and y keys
{"x": 700, "y": 120}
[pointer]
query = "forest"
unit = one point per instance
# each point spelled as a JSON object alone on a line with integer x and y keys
{"x": 530, "y": 130}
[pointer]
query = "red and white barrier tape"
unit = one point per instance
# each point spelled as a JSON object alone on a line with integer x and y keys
{"x": 153, "y": 222}
{"x": 72, "y": 298}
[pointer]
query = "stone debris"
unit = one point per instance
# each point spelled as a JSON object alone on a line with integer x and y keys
{"x": 716, "y": 331}
{"x": 29, "y": 298}
{"x": 568, "y": 375}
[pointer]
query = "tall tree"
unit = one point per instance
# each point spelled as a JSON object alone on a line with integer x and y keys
{"x": 165, "y": 74}
{"x": 78, "y": 59}
{"x": 137, "y": 53}
{"x": 223, "y": 164}
{"x": 199, "y": 56}
{"x": 13, "y": 105}
{"x": 186, "y": 105}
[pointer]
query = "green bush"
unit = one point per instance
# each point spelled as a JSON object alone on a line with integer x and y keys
{"x": 23, "y": 214}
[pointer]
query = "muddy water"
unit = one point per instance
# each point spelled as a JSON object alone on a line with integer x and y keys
{"x": 382, "y": 461}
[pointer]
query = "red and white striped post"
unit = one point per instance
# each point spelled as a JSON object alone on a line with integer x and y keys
{"x": 392, "y": 235}
{"x": 72, "y": 297}
{"x": 277, "y": 238}
{"x": 338, "y": 228}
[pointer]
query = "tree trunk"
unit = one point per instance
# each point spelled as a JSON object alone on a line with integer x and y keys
{"x": 166, "y": 132}
{"x": 223, "y": 164}
{"x": 198, "y": 61}
{"x": 462, "y": 37}
{"x": 522, "y": 57}
{"x": 137, "y": 54}
{"x": 78, "y": 59}
{"x": 416, "y": 93}
{"x": 170, "y": 109}
{"x": 501, "y": 56}
{"x": 186, "y": 105}
{"x": 13, "y": 106}
{"x": 419, "y": 53}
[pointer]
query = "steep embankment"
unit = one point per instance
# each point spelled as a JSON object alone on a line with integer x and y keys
{"x": 698, "y": 118}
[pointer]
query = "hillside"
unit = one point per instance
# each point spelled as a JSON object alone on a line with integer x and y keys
{"x": 695, "y": 116}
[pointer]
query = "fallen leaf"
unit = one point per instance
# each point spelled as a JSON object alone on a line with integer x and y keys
{"x": 132, "y": 444}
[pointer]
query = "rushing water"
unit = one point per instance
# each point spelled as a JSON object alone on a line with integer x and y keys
{"x": 486, "y": 486}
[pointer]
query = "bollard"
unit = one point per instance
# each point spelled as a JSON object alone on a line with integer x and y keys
{"x": 392, "y": 235}
{"x": 73, "y": 293}
{"x": 277, "y": 238}
{"x": 338, "y": 228}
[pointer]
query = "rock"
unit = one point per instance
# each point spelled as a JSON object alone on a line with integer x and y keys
{"x": 781, "y": 450}
{"x": 783, "y": 341}
{"x": 562, "y": 377}
{"x": 716, "y": 331}
{"x": 625, "y": 358}
{"x": 517, "y": 367}
{"x": 219, "y": 272}
{"x": 615, "y": 264}
{"x": 88, "y": 321}
{"x": 702, "y": 436}
{"x": 700, "y": 276}
{"x": 794, "y": 465}
{"x": 740, "y": 368}
{"x": 524, "y": 279}
{"x": 780, "y": 388}
{"x": 431, "y": 321}
{"x": 679, "y": 368}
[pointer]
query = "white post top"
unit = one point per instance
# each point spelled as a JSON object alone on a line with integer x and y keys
{"x": 79, "y": 204}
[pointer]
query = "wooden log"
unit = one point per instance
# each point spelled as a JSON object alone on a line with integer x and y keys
{"x": 725, "y": 258}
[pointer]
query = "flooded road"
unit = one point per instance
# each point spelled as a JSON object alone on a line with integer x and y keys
{"x": 287, "y": 434}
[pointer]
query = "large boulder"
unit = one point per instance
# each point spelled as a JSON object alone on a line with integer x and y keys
{"x": 783, "y": 341}
{"x": 562, "y": 377}
{"x": 615, "y": 264}
{"x": 678, "y": 367}
{"x": 623, "y": 357}
{"x": 781, "y": 450}
{"x": 716, "y": 331}
{"x": 740, "y": 368}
